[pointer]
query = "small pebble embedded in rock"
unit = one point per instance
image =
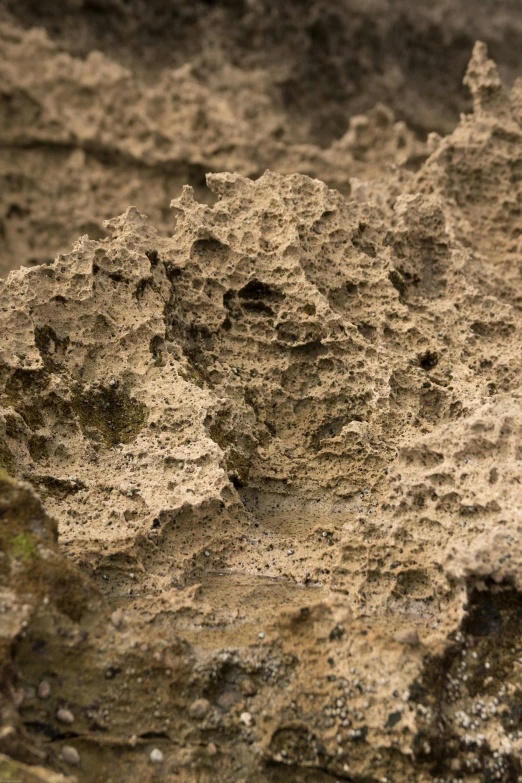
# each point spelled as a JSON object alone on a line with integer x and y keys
{"x": 65, "y": 716}
{"x": 44, "y": 690}
{"x": 156, "y": 756}
{"x": 70, "y": 755}
{"x": 199, "y": 708}
{"x": 248, "y": 687}
{"x": 117, "y": 618}
{"x": 227, "y": 700}
{"x": 407, "y": 636}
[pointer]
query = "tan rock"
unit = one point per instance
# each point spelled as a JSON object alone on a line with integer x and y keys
{"x": 407, "y": 636}
{"x": 65, "y": 715}
{"x": 199, "y": 709}
{"x": 70, "y": 755}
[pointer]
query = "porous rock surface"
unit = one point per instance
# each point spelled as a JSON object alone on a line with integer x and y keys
{"x": 80, "y": 138}
{"x": 282, "y": 447}
{"x": 104, "y": 105}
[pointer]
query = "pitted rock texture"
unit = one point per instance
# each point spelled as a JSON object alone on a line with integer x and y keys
{"x": 82, "y": 138}
{"x": 282, "y": 449}
{"x": 102, "y": 107}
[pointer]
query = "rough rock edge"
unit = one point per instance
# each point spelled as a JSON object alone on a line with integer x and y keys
{"x": 483, "y": 436}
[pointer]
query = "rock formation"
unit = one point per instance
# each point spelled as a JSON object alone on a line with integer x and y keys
{"x": 282, "y": 450}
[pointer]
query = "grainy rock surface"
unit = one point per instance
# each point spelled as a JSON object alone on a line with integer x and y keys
{"x": 109, "y": 104}
{"x": 281, "y": 447}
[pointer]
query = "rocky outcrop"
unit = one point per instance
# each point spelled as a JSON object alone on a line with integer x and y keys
{"x": 102, "y": 108}
{"x": 282, "y": 451}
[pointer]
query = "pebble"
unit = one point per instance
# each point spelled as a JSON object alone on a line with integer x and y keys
{"x": 70, "y": 755}
{"x": 44, "y": 690}
{"x": 199, "y": 708}
{"x": 156, "y": 756}
{"x": 246, "y": 718}
{"x": 65, "y": 716}
{"x": 407, "y": 636}
{"x": 117, "y": 618}
{"x": 248, "y": 687}
{"x": 211, "y": 749}
{"x": 227, "y": 700}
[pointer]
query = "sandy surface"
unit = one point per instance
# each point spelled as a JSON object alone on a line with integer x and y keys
{"x": 260, "y": 499}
